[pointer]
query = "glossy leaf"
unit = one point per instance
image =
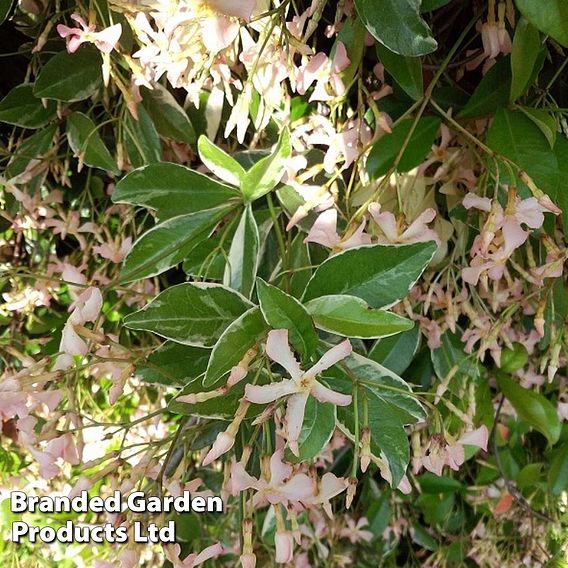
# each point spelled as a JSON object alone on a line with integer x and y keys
{"x": 545, "y": 122}
{"x": 169, "y": 243}
{"x": 550, "y": 18}
{"x": 242, "y": 264}
{"x": 396, "y": 352}
{"x": 21, "y": 107}
{"x": 406, "y": 71}
{"x": 33, "y": 148}
{"x": 170, "y": 119}
{"x": 350, "y": 316}
{"x": 558, "y": 471}
{"x": 533, "y": 408}
{"x": 70, "y": 76}
{"x": 524, "y": 56}
{"x": 265, "y": 174}
{"x": 219, "y": 162}
{"x": 381, "y": 275}
{"x": 385, "y": 151}
{"x": 282, "y": 311}
{"x": 194, "y": 314}
{"x": 172, "y": 190}
{"x": 5, "y": 9}
{"x": 141, "y": 139}
{"x": 232, "y": 346}
{"x": 397, "y": 24}
{"x": 87, "y": 144}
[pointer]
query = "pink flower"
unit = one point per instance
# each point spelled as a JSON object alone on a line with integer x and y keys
{"x": 284, "y": 542}
{"x": 281, "y": 487}
{"x": 330, "y": 486}
{"x": 300, "y": 386}
{"x": 238, "y": 8}
{"x": 114, "y": 251}
{"x": 354, "y": 531}
{"x": 417, "y": 232}
{"x": 172, "y": 553}
{"x": 12, "y": 400}
{"x": 105, "y": 40}
{"x": 324, "y": 232}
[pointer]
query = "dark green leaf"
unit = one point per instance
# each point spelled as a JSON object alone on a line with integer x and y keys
{"x": 550, "y": 18}
{"x": 70, "y": 76}
{"x": 169, "y": 243}
{"x": 5, "y": 9}
{"x": 545, "y": 122}
{"x": 533, "y": 408}
{"x": 435, "y": 484}
{"x": 380, "y": 275}
{"x": 526, "y": 48}
{"x": 87, "y": 144}
{"x": 558, "y": 471}
{"x": 396, "y": 352}
{"x": 33, "y": 148}
{"x": 406, "y": 71}
{"x": 21, "y": 108}
{"x": 282, "y": 311}
{"x": 431, "y": 5}
{"x": 352, "y": 317}
{"x": 232, "y": 346}
{"x": 194, "y": 314}
{"x": 141, "y": 139}
{"x": 397, "y": 24}
{"x": 385, "y": 151}
{"x": 451, "y": 354}
{"x": 170, "y": 119}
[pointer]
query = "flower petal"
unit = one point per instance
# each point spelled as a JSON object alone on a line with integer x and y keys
{"x": 333, "y": 356}
{"x": 269, "y": 393}
{"x": 295, "y": 409}
{"x": 325, "y": 394}
{"x": 479, "y": 438}
{"x": 278, "y": 349}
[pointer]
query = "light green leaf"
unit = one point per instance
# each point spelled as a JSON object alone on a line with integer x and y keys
{"x": 193, "y": 314}
{"x": 350, "y": 316}
{"x": 242, "y": 264}
{"x": 173, "y": 364}
{"x": 172, "y": 190}
{"x": 533, "y": 408}
{"x": 544, "y": 121}
{"x": 558, "y": 471}
{"x": 381, "y": 275}
{"x": 386, "y": 149}
{"x": 21, "y": 108}
{"x": 397, "y": 352}
{"x": 170, "y": 119}
{"x": 492, "y": 92}
{"x": 70, "y": 76}
{"x": 141, "y": 139}
{"x": 397, "y": 24}
{"x": 267, "y": 172}
{"x": 236, "y": 340}
{"x": 406, "y": 71}
{"x": 169, "y": 243}
{"x": 550, "y": 18}
{"x": 33, "y": 148}
{"x": 87, "y": 144}
{"x": 225, "y": 167}
{"x": 317, "y": 430}
{"x": 526, "y": 48}
{"x": 282, "y": 311}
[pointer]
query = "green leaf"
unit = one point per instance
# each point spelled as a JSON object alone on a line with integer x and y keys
{"x": 406, "y": 71}
{"x": 558, "y": 471}
{"x": 242, "y": 264}
{"x": 423, "y": 538}
{"x": 350, "y": 316}
{"x": 21, "y": 108}
{"x": 299, "y": 265}
{"x": 232, "y": 346}
{"x": 33, "y": 148}
{"x": 172, "y": 190}
{"x": 451, "y": 354}
{"x": 169, "y": 243}
{"x": 397, "y": 25}
{"x": 352, "y": 35}
{"x": 397, "y": 352}
{"x": 317, "y": 430}
{"x": 517, "y": 137}
{"x": 524, "y": 56}
{"x": 431, "y": 5}
{"x": 6, "y": 9}
{"x": 282, "y": 311}
{"x": 70, "y": 76}
{"x": 545, "y": 122}
{"x": 550, "y": 18}
{"x": 533, "y": 408}
{"x": 173, "y": 364}
{"x": 86, "y": 143}
{"x": 219, "y": 162}
{"x": 193, "y": 314}
{"x": 267, "y": 172}
{"x": 141, "y": 139}
{"x": 561, "y": 195}
{"x": 170, "y": 119}
{"x": 435, "y": 484}
{"x": 381, "y": 275}
{"x": 386, "y": 149}
{"x": 492, "y": 92}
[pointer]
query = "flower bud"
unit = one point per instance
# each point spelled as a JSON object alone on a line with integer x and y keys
{"x": 284, "y": 547}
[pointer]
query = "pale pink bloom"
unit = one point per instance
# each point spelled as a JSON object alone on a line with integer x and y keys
{"x": 223, "y": 443}
{"x": 129, "y": 558}
{"x": 283, "y": 486}
{"x": 105, "y": 40}
{"x": 50, "y": 398}
{"x": 248, "y": 560}
{"x": 355, "y": 532}
{"x": 324, "y": 232}
{"x": 12, "y": 400}
{"x": 69, "y": 225}
{"x": 300, "y": 386}
{"x": 284, "y": 542}
{"x": 87, "y": 306}
{"x": 73, "y": 274}
{"x": 48, "y": 467}
{"x": 330, "y": 486}
{"x": 172, "y": 553}
{"x": 26, "y": 430}
{"x": 71, "y": 343}
{"x": 417, "y": 232}
{"x": 316, "y": 197}
{"x": 63, "y": 447}
{"x": 495, "y": 40}
{"x": 238, "y": 8}
{"x": 114, "y": 251}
